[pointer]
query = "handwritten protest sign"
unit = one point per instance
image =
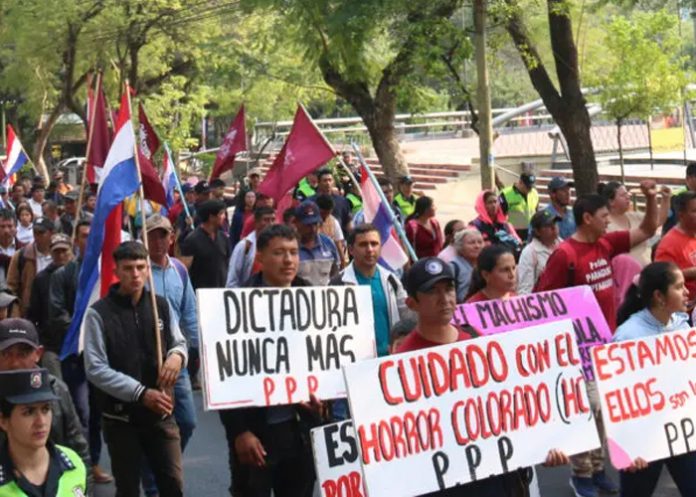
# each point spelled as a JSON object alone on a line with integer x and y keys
{"x": 270, "y": 346}
{"x": 438, "y": 417}
{"x": 648, "y": 387}
{"x": 336, "y": 459}
{"x": 576, "y": 303}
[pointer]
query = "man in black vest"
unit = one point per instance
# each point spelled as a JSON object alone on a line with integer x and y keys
{"x": 121, "y": 361}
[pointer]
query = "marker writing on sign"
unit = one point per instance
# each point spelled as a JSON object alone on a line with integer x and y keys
{"x": 290, "y": 309}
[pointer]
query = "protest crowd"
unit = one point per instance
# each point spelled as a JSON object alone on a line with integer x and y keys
{"x": 83, "y": 373}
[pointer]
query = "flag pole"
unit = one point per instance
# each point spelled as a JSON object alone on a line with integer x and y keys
{"x": 397, "y": 225}
{"x": 90, "y": 136}
{"x": 150, "y": 280}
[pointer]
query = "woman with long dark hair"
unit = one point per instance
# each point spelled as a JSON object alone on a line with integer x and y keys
{"x": 495, "y": 276}
{"x": 656, "y": 305}
{"x": 423, "y": 230}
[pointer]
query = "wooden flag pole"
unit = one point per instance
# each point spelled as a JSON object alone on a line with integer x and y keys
{"x": 90, "y": 136}
{"x": 150, "y": 280}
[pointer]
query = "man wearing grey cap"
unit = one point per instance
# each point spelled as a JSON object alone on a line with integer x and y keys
{"x": 39, "y": 302}
{"x": 559, "y": 193}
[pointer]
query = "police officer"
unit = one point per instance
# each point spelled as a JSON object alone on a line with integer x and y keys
{"x": 405, "y": 200}
{"x": 519, "y": 202}
{"x": 30, "y": 464}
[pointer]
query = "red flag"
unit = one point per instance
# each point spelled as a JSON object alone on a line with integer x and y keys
{"x": 147, "y": 146}
{"x": 152, "y": 184}
{"x": 304, "y": 151}
{"x": 233, "y": 143}
{"x": 101, "y": 136}
{"x": 149, "y": 141}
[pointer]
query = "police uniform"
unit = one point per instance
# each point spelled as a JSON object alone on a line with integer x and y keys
{"x": 518, "y": 207}
{"x": 66, "y": 476}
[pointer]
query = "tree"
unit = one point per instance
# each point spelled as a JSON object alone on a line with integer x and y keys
{"x": 566, "y": 103}
{"x": 372, "y": 54}
{"x": 645, "y": 73}
{"x": 43, "y": 63}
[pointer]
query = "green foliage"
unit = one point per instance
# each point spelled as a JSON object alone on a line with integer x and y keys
{"x": 645, "y": 72}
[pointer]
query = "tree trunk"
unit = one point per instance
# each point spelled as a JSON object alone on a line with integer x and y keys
{"x": 388, "y": 149}
{"x": 42, "y": 140}
{"x": 566, "y": 105}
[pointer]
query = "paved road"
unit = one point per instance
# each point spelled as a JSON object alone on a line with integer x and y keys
{"x": 206, "y": 473}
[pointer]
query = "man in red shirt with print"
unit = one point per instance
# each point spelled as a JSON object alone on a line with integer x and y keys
{"x": 585, "y": 259}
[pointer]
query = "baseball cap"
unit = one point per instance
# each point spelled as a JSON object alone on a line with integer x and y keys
{"x": 543, "y": 218}
{"x": 43, "y": 225}
{"x": 157, "y": 222}
{"x": 26, "y": 386}
{"x": 186, "y": 187}
{"x": 17, "y": 330}
{"x": 558, "y": 182}
{"x": 405, "y": 180}
{"x": 528, "y": 179}
{"x": 202, "y": 187}
{"x": 71, "y": 196}
{"x": 425, "y": 273}
{"x": 60, "y": 240}
{"x": 308, "y": 213}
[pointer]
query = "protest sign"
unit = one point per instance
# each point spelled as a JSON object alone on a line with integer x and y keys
{"x": 271, "y": 346}
{"x": 576, "y": 303}
{"x": 448, "y": 415}
{"x": 336, "y": 459}
{"x": 648, "y": 387}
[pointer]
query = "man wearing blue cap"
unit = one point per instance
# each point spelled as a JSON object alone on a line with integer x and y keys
{"x": 559, "y": 206}
{"x": 319, "y": 258}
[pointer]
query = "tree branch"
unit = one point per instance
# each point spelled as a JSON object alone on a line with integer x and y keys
{"x": 532, "y": 61}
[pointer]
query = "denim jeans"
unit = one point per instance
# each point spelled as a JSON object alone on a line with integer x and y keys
{"x": 185, "y": 416}
{"x": 643, "y": 483}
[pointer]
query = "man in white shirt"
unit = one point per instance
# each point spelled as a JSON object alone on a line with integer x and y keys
{"x": 241, "y": 265}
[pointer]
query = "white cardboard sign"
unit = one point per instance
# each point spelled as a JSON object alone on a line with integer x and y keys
{"x": 439, "y": 417}
{"x": 648, "y": 387}
{"x": 274, "y": 346}
{"x": 336, "y": 460}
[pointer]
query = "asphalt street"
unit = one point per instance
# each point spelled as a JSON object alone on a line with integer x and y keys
{"x": 206, "y": 472}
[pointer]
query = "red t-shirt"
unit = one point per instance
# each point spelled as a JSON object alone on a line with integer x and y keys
{"x": 592, "y": 267}
{"x": 481, "y": 297}
{"x": 425, "y": 243}
{"x": 414, "y": 341}
{"x": 679, "y": 248}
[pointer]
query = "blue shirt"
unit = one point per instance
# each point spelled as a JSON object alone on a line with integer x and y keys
{"x": 324, "y": 248}
{"x": 179, "y": 293}
{"x": 379, "y": 310}
{"x": 566, "y": 226}
{"x": 643, "y": 324}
